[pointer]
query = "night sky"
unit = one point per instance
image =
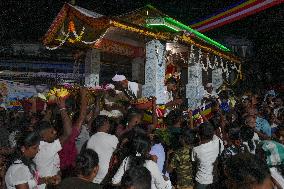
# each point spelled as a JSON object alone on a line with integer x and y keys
{"x": 28, "y": 20}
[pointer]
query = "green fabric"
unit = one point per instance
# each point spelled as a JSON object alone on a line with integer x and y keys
{"x": 274, "y": 152}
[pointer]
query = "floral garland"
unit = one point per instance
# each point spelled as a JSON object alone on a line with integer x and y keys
{"x": 78, "y": 38}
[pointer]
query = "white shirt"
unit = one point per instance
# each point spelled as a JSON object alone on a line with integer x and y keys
{"x": 18, "y": 173}
{"x": 158, "y": 150}
{"x": 277, "y": 176}
{"x": 255, "y": 138}
{"x": 250, "y": 151}
{"x": 104, "y": 144}
{"x": 157, "y": 181}
{"x": 133, "y": 87}
{"x": 47, "y": 159}
{"x": 206, "y": 154}
{"x": 168, "y": 96}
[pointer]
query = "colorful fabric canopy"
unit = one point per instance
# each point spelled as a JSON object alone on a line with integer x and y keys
{"x": 236, "y": 12}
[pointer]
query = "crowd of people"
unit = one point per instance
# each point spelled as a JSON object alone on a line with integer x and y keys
{"x": 78, "y": 145}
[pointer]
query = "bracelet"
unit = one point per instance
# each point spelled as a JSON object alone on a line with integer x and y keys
{"x": 62, "y": 109}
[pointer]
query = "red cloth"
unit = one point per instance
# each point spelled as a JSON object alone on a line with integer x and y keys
{"x": 69, "y": 152}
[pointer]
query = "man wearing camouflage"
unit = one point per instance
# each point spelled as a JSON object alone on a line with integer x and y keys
{"x": 181, "y": 162}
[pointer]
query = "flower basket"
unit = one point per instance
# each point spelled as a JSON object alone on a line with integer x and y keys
{"x": 143, "y": 104}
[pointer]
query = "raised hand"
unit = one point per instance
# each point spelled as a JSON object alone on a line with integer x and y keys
{"x": 60, "y": 102}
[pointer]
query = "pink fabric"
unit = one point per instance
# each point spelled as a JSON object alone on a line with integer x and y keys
{"x": 69, "y": 152}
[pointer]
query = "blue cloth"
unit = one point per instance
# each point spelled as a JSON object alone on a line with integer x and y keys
{"x": 263, "y": 126}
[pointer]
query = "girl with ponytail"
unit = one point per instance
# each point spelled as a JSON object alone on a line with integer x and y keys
{"x": 139, "y": 156}
{"x": 22, "y": 173}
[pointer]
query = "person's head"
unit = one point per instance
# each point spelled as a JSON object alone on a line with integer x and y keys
{"x": 234, "y": 136}
{"x": 139, "y": 149}
{"x": 87, "y": 164}
{"x": 121, "y": 81}
{"x": 206, "y": 131}
{"x": 46, "y": 131}
{"x": 174, "y": 118}
{"x": 101, "y": 124}
{"x": 278, "y": 102}
{"x": 209, "y": 87}
{"x": 136, "y": 178}
{"x": 247, "y": 171}
{"x": 171, "y": 84}
{"x": 187, "y": 138}
{"x": 28, "y": 144}
{"x": 250, "y": 121}
{"x": 134, "y": 117}
{"x": 246, "y": 102}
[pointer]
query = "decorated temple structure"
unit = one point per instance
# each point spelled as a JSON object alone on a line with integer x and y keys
{"x": 156, "y": 46}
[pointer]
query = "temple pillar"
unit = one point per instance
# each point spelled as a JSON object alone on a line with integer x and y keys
{"x": 194, "y": 87}
{"x": 155, "y": 71}
{"x": 92, "y": 68}
{"x": 217, "y": 78}
{"x": 138, "y": 69}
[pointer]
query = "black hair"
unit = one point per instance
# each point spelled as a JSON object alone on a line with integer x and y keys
{"x": 138, "y": 177}
{"x": 98, "y": 123}
{"x": 234, "y": 133}
{"x": 171, "y": 80}
{"x": 139, "y": 148}
{"x": 26, "y": 139}
{"x": 245, "y": 170}
{"x": 173, "y": 117}
{"x": 206, "y": 131}
{"x": 246, "y": 134}
{"x": 43, "y": 126}
{"x": 188, "y": 136}
{"x": 86, "y": 161}
{"x": 215, "y": 122}
{"x": 131, "y": 113}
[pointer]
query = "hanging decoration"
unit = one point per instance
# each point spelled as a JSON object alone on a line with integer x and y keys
{"x": 223, "y": 67}
{"x": 191, "y": 55}
{"x": 78, "y": 37}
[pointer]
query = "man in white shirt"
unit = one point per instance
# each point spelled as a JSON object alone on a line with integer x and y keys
{"x": 210, "y": 93}
{"x": 206, "y": 154}
{"x": 47, "y": 159}
{"x": 133, "y": 89}
{"x": 104, "y": 144}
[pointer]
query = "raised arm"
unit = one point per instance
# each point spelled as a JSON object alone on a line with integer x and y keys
{"x": 154, "y": 115}
{"x": 67, "y": 123}
{"x": 83, "y": 108}
{"x": 190, "y": 119}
